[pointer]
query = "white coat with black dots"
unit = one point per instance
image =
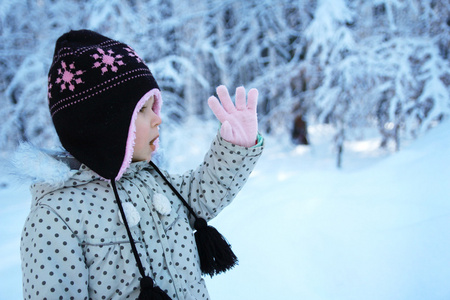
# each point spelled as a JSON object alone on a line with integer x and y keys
{"x": 75, "y": 246}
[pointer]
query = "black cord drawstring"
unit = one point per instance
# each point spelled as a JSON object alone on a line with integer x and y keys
{"x": 191, "y": 211}
{"x": 130, "y": 237}
{"x": 148, "y": 290}
{"x": 214, "y": 251}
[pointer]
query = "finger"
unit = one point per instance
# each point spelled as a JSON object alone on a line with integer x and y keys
{"x": 216, "y": 108}
{"x": 240, "y": 98}
{"x": 225, "y": 99}
{"x": 252, "y": 99}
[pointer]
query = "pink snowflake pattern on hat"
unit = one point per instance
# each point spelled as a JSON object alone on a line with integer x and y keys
{"x": 68, "y": 75}
{"x": 105, "y": 60}
{"x": 133, "y": 53}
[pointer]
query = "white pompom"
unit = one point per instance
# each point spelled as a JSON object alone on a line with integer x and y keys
{"x": 131, "y": 214}
{"x": 162, "y": 204}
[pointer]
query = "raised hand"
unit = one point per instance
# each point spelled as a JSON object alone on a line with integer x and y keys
{"x": 240, "y": 122}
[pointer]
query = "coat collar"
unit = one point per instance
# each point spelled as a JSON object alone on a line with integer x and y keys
{"x": 49, "y": 170}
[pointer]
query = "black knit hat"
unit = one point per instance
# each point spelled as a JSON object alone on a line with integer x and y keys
{"x": 96, "y": 86}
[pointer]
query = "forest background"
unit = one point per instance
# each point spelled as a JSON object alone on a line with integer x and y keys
{"x": 362, "y": 67}
{"x": 357, "y": 80}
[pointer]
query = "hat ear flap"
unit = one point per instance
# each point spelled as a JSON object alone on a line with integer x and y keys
{"x": 132, "y": 129}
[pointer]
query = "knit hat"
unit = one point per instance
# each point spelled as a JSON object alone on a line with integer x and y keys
{"x": 96, "y": 87}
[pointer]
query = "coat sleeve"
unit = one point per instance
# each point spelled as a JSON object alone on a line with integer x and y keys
{"x": 215, "y": 183}
{"x": 53, "y": 264}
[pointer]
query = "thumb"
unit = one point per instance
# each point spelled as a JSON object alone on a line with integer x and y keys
{"x": 226, "y": 131}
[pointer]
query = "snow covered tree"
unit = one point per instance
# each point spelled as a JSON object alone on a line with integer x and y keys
{"x": 352, "y": 64}
{"x": 331, "y": 45}
{"x": 27, "y": 33}
{"x": 391, "y": 75}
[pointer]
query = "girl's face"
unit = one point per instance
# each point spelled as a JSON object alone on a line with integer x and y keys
{"x": 147, "y": 132}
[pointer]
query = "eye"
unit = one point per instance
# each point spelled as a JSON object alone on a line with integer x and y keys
{"x": 143, "y": 108}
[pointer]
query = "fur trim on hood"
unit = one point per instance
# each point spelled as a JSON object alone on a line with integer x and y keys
{"x": 31, "y": 165}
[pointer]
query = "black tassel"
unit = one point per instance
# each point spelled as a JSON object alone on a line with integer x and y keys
{"x": 214, "y": 251}
{"x": 151, "y": 292}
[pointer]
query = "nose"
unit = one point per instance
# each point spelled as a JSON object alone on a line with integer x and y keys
{"x": 156, "y": 120}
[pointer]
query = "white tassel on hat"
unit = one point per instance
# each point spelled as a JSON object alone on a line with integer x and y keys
{"x": 131, "y": 214}
{"x": 162, "y": 204}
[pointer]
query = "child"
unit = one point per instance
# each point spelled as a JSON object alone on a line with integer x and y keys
{"x": 114, "y": 226}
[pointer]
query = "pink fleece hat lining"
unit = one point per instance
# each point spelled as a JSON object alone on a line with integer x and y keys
{"x": 132, "y": 130}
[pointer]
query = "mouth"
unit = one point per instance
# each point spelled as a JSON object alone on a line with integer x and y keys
{"x": 153, "y": 141}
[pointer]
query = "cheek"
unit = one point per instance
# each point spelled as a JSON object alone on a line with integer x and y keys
{"x": 142, "y": 133}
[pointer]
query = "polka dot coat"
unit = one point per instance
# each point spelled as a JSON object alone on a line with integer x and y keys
{"x": 74, "y": 244}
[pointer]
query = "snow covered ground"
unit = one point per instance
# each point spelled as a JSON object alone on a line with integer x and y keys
{"x": 377, "y": 229}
